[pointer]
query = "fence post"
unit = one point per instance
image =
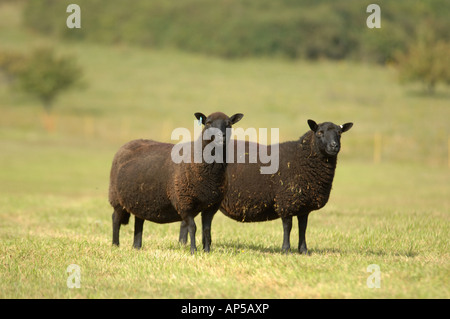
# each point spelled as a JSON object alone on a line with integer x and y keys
{"x": 377, "y": 147}
{"x": 448, "y": 150}
{"x": 88, "y": 126}
{"x": 49, "y": 122}
{"x": 125, "y": 128}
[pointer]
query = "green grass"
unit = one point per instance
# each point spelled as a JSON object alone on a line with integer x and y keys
{"x": 43, "y": 234}
{"x": 53, "y": 186}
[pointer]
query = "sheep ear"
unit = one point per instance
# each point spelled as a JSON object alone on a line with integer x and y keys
{"x": 313, "y": 125}
{"x": 236, "y": 118}
{"x": 345, "y": 127}
{"x": 201, "y": 117}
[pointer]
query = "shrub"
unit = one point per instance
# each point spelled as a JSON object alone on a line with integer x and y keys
{"x": 42, "y": 74}
{"x": 11, "y": 64}
{"x": 46, "y": 75}
{"x": 426, "y": 61}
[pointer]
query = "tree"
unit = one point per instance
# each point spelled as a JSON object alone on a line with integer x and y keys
{"x": 426, "y": 61}
{"x": 46, "y": 75}
{"x": 42, "y": 74}
{"x": 11, "y": 64}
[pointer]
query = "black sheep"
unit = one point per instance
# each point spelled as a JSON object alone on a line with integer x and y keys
{"x": 146, "y": 182}
{"x": 301, "y": 185}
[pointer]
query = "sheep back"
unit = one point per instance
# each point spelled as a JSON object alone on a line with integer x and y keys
{"x": 139, "y": 180}
{"x": 147, "y": 183}
{"x": 302, "y": 184}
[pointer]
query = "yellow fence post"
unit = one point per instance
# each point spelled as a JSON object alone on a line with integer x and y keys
{"x": 125, "y": 128}
{"x": 377, "y": 148}
{"x": 88, "y": 126}
{"x": 448, "y": 150}
{"x": 49, "y": 122}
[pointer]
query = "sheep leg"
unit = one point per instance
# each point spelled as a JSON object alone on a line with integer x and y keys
{"x": 287, "y": 226}
{"x": 192, "y": 228}
{"x": 207, "y": 217}
{"x": 302, "y": 223}
{"x": 183, "y": 233}
{"x": 119, "y": 217}
{"x": 116, "y": 228}
{"x": 138, "y": 226}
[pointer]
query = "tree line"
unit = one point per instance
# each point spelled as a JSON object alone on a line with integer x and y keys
{"x": 308, "y": 29}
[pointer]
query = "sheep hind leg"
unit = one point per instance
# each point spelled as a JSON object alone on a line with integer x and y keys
{"x": 192, "y": 228}
{"x": 302, "y": 223}
{"x": 287, "y": 226}
{"x": 119, "y": 217}
{"x": 183, "y": 233}
{"x": 138, "y": 227}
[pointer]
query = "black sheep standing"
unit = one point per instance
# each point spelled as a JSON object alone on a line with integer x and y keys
{"x": 301, "y": 185}
{"x": 147, "y": 183}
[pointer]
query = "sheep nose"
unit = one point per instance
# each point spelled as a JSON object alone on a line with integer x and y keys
{"x": 334, "y": 144}
{"x": 220, "y": 138}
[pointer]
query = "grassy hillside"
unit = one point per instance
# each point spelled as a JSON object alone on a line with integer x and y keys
{"x": 53, "y": 186}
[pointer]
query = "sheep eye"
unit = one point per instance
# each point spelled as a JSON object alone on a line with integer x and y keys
{"x": 320, "y": 133}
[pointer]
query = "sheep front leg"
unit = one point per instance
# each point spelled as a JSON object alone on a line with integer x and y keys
{"x": 183, "y": 233}
{"x": 207, "y": 217}
{"x": 138, "y": 227}
{"x": 192, "y": 228}
{"x": 302, "y": 223}
{"x": 287, "y": 226}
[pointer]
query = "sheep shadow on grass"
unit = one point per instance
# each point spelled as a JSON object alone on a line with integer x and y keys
{"x": 237, "y": 247}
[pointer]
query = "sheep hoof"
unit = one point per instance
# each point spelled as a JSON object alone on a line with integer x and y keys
{"x": 304, "y": 252}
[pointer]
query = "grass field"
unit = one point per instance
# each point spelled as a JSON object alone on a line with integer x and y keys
{"x": 53, "y": 186}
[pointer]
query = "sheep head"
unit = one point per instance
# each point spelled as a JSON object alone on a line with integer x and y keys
{"x": 216, "y": 134}
{"x": 217, "y": 121}
{"x": 328, "y": 136}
